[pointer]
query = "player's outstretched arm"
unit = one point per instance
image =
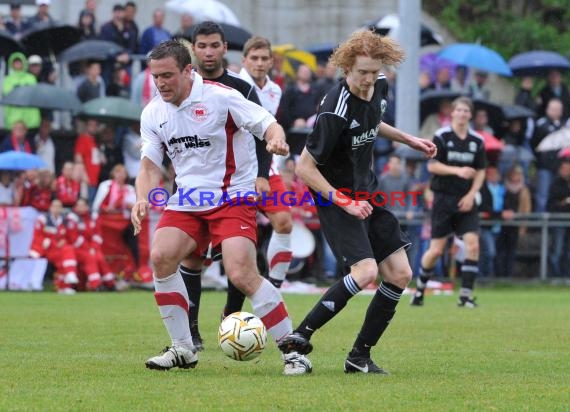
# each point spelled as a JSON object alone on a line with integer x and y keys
{"x": 425, "y": 146}
{"x": 276, "y": 141}
{"x": 147, "y": 179}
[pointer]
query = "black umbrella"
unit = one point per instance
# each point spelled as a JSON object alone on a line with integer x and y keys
{"x": 390, "y": 24}
{"x": 515, "y": 111}
{"x": 8, "y": 44}
{"x": 494, "y": 112}
{"x": 431, "y": 99}
{"x": 48, "y": 39}
{"x": 42, "y": 96}
{"x": 90, "y": 50}
{"x": 537, "y": 63}
{"x": 235, "y": 36}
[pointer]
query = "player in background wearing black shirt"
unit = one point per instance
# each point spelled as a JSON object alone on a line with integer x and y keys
{"x": 362, "y": 234}
{"x": 208, "y": 49}
{"x": 459, "y": 172}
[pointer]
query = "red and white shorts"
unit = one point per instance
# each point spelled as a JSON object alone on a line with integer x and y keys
{"x": 273, "y": 202}
{"x": 213, "y": 225}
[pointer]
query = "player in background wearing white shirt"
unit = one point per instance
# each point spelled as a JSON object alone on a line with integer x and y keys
{"x": 257, "y": 63}
{"x": 196, "y": 121}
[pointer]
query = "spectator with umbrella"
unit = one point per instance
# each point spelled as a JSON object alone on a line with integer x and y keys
{"x": 17, "y": 139}
{"x": 44, "y": 145}
{"x": 546, "y": 159}
{"x": 42, "y": 16}
{"x": 18, "y": 76}
{"x": 555, "y": 89}
{"x": 92, "y": 85}
{"x": 559, "y": 202}
{"x": 86, "y": 25}
{"x": 16, "y": 24}
{"x": 117, "y": 31}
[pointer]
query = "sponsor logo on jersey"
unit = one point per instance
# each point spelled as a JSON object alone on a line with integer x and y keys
{"x": 364, "y": 138}
{"x": 472, "y": 146}
{"x": 461, "y": 157}
{"x": 189, "y": 142}
{"x": 354, "y": 124}
{"x": 199, "y": 112}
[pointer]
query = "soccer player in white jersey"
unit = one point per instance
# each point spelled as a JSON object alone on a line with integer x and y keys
{"x": 257, "y": 63}
{"x": 195, "y": 121}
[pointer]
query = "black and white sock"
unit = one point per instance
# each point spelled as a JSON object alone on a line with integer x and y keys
{"x": 469, "y": 271}
{"x": 332, "y": 302}
{"x": 193, "y": 282}
{"x": 234, "y": 300}
{"x": 378, "y": 316}
{"x": 422, "y": 280}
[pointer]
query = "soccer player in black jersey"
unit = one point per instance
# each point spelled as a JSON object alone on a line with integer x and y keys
{"x": 458, "y": 173}
{"x": 363, "y": 235}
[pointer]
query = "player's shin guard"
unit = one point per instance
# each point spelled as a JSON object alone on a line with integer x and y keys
{"x": 193, "y": 283}
{"x": 378, "y": 316}
{"x": 268, "y": 305}
{"x": 279, "y": 257}
{"x": 469, "y": 270}
{"x": 332, "y": 302}
{"x": 235, "y": 299}
{"x": 172, "y": 300}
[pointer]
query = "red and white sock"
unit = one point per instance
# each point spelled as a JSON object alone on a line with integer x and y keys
{"x": 279, "y": 256}
{"x": 268, "y": 304}
{"x": 173, "y": 303}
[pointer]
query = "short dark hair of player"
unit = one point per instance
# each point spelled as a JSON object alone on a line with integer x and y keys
{"x": 256, "y": 43}
{"x": 463, "y": 100}
{"x": 206, "y": 28}
{"x": 367, "y": 43}
{"x": 171, "y": 48}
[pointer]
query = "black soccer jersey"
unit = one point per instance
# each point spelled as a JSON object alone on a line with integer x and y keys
{"x": 453, "y": 151}
{"x": 235, "y": 82}
{"x": 342, "y": 140}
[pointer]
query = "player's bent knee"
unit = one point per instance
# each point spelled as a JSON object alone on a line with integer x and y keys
{"x": 283, "y": 224}
{"x": 365, "y": 273}
{"x": 247, "y": 282}
{"x": 164, "y": 263}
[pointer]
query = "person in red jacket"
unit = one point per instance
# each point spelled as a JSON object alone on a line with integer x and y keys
{"x": 39, "y": 194}
{"x": 84, "y": 235}
{"x": 50, "y": 242}
{"x": 66, "y": 188}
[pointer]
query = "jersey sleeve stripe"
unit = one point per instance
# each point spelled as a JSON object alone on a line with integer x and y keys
{"x": 340, "y": 109}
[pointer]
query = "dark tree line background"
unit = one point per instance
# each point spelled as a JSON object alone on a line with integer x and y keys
{"x": 507, "y": 26}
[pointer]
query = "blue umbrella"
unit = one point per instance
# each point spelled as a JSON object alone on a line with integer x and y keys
{"x": 537, "y": 63}
{"x": 477, "y": 56}
{"x": 13, "y": 160}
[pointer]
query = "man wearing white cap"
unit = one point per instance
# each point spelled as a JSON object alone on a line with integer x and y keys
{"x": 42, "y": 15}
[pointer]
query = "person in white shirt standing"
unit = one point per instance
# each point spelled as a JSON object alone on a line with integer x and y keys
{"x": 257, "y": 63}
{"x": 195, "y": 121}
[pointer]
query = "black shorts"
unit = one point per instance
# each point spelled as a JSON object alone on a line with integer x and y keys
{"x": 353, "y": 240}
{"x": 446, "y": 218}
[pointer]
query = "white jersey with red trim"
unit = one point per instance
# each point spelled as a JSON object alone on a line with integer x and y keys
{"x": 270, "y": 97}
{"x": 211, "y": 159}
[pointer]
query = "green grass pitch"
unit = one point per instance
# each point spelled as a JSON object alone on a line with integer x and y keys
{"x": 87, "y": 353}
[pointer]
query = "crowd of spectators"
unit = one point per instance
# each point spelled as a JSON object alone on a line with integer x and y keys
{"x": 104, "y": 159}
